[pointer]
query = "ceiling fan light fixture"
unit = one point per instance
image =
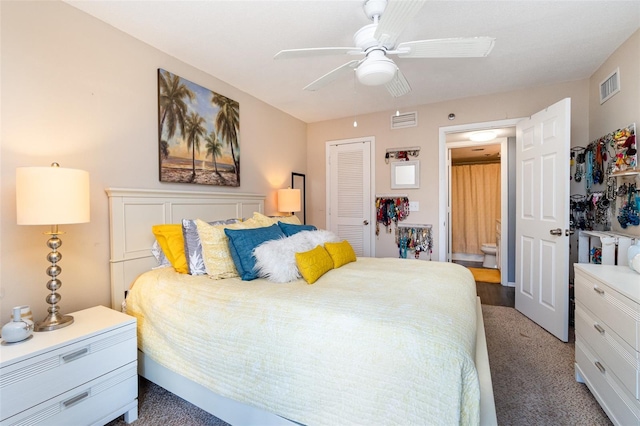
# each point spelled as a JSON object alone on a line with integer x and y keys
{"x": 483, "y": 136}
{"x": 374, "y": 8}
{"x": 377, "y": 40}
{"x": 376, "y": 71}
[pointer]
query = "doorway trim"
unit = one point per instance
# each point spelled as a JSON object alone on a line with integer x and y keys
{"x": 443, "y": 189}
{"x": 504, "y": 194}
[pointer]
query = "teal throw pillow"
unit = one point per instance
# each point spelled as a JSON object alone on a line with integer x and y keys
{"x": 241, "y": 245}
{"x": 290, "y": 229}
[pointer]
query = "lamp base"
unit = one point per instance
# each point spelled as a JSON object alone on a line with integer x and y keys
{"x": 54, "y": 321}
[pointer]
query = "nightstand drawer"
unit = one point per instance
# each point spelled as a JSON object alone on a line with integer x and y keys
{"x": 621, "y": 314}
{"x": 87, "y": 402}
{"x": 47, "y": 375}
{"x": 612, "y": 352}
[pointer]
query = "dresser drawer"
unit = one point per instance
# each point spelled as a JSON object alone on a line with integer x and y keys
{"x": 615, "y": 354}
{"x": 621, "y": 409}
{"x": 86, "y": 402}
{"x": 620, "y": 313}
{"x": 47, "y": 375}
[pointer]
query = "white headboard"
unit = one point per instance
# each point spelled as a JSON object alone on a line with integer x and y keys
{"x": 132, "y": 213}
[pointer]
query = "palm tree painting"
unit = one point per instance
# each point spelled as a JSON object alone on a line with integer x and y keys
{"x": 214, "y": 149}
{"x": 197, "y": 126}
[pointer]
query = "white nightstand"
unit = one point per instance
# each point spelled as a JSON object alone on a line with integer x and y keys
{"x": 85, "y": 373}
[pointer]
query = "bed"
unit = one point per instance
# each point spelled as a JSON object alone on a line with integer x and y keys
{"x": 370, "y": 352}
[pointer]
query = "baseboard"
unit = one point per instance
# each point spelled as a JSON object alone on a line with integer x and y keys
{"x": 468, "y": 257}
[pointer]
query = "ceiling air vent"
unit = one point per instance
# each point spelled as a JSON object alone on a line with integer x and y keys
{"x": 610, "y": 86}
{"x": 407, "y": 119}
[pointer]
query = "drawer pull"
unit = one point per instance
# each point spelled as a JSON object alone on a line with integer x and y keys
{"x": 75, "y": 355}
{"x": 599, "y": 328}
{"x": 598, "y": 290}
{"x": 600, "y": 367}
{"x": 72, "y": 401}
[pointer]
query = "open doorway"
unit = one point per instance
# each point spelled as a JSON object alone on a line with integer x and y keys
{"x": 455, "y": 142}
{"x": 475, "y": 193}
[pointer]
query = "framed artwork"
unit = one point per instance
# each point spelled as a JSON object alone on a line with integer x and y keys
{"x": 198, "y": 133}
{"x": 405, "y": 174}
{"x": 298, "y": 182}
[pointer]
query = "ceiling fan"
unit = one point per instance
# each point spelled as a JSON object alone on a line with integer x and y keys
{"x": 378, "y": 40}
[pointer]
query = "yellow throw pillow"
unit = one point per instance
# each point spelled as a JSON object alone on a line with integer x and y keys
{"x": 260, "y": 220}
{"x": 172, "y": 243}
{"x": 314, "y": 263}
{"x": 293, "y": 220}
{"x": 341, "y": 253}
{"x": 215, "y": 249}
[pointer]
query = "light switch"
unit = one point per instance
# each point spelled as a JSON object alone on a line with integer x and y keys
{"x": 414, "y": 206}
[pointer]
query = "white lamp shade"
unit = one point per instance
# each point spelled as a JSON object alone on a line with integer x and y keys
{"x": 288, "y": 200}
{"x": 52, "y": 196}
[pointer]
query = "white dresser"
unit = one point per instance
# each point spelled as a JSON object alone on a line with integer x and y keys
{"x": 82, "y": 374}
{"x": 607, "y": 325}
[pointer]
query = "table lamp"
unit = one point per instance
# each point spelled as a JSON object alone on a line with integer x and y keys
{"x": 289, "y": 200}
{"x": 52, "y": 196}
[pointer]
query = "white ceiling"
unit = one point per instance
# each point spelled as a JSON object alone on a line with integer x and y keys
{"x": 537, "y": 43}
{"x": 478, "y": 152}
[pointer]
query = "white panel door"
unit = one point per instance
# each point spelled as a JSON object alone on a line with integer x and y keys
{"x": 542, "y": 218}
{"x": 349, "y": 194}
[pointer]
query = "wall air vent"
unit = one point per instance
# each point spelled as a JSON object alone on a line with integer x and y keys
{"x": 406, "y": 119}
{"x": 610, "y": 86}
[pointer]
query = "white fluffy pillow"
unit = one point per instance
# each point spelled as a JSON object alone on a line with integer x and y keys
{"x": 276, "y": 259}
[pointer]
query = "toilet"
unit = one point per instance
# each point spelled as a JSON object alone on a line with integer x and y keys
{"x": 489, "y": 250}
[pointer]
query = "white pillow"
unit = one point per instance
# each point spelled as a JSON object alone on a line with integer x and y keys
{"x": 276, "y": 259}
{"x": 157, "y": 252}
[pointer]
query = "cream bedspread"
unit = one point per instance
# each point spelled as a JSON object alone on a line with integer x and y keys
{"x": 377, "y": 341}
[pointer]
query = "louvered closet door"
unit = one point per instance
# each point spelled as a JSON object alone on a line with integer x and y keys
{"x": 349, "y": 193}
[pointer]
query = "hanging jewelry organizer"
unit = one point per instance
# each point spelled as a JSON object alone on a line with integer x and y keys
{"x": 578, "y": 163}
{"x": 627, "y": 208}
{"x": 608, "y": 166}
{"x": 599, "y": 165}
{"x": 414, "y": 237}
{"x": 391, "y": 209}
{"x": 623, "y": 141}
{"x": 401, "y": 153}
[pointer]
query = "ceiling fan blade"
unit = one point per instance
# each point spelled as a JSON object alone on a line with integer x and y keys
{"x": 332, "y": 75}
{"x": 317, "y": 51}
{"x": 396, "y": 16}
{"x": 398, "y": 86}
{"x": 465, "y": 47}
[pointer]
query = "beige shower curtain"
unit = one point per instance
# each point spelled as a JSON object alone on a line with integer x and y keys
{"x": 475, "y": 206}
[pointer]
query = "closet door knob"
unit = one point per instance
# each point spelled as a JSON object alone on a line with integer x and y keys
{"x": 365, "y": 222}
{"x": 556, "y": 231}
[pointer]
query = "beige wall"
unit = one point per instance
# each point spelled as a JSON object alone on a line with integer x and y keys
{"x": 77, "y": 91}
{"x": 623, "y": 108}
{"x": 430, "y": 118}
{"x": 620, "y": 110}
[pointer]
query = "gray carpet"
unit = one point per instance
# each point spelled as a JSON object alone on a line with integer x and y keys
{"x": 532, "y": 373}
